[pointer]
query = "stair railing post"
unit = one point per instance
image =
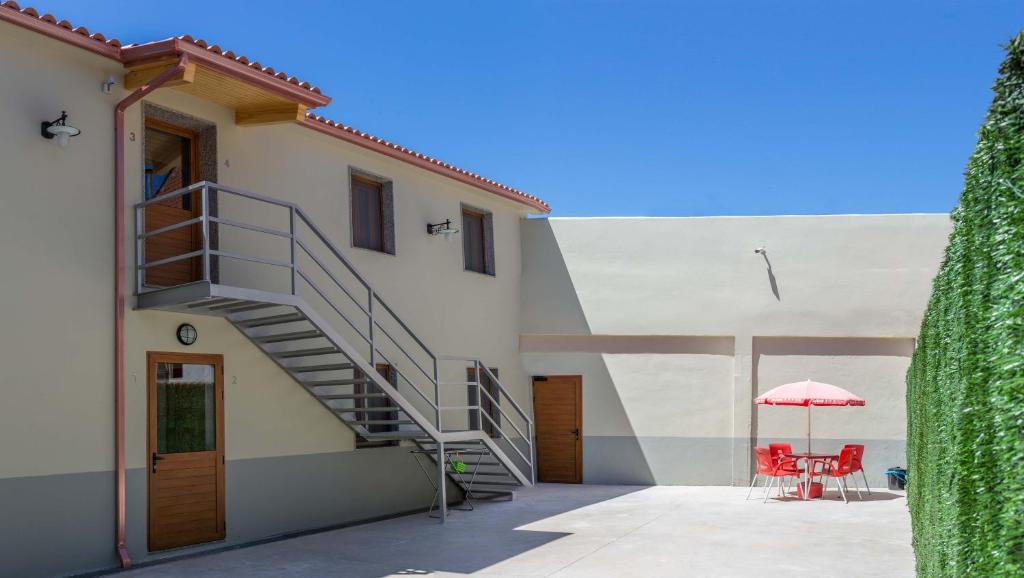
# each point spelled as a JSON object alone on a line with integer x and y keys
{"x": 140, "y": 247}
{"x": 291, "y": 229}
{"x": 437, "y": 396}
{"x": 479, "y": 385}
{"x": 204, "y": 196}
{"x": 442, "y": 483}
{"x": 373, "y": 345}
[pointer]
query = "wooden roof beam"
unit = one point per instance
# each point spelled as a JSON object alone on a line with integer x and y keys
{"x": 141, "y": 75}
{"x": 285, "y": 112}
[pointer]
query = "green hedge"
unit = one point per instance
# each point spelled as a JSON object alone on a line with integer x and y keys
{"x": 965, "y": 386}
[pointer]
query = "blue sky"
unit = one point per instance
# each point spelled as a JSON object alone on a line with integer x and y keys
{"x": 641, "y": 107}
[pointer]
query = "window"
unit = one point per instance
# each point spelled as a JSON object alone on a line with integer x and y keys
{"x": 487, "y": 403}
{"x": 477, "y": 241}
{"x": 367, "y": 214}
{"x": 373, "y": 222}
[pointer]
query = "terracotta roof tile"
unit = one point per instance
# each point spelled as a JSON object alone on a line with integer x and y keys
{"x": 216, "y": 49}
{"x": 50, "y": 19}
{"x": 111, "y": 47}
{"x": 508, "y": 191}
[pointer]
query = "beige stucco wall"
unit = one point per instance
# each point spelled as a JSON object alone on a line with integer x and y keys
{"x": 841, "y": 302}
{"x": 57, "y": 237}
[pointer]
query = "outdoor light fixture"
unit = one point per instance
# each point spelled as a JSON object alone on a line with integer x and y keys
{"x": 444, "y": 229}
{"x": 60, "y": 128}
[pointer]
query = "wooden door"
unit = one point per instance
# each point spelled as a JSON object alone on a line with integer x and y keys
{"x": 558, "y": 413}
{"x": 171, "y": 164}
{"x": 186, "y": 449}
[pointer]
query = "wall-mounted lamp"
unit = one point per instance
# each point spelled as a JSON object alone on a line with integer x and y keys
{"x": 445, "y": 229}
{"x": 60, "y": 128}
{"x": 761, "y": 250}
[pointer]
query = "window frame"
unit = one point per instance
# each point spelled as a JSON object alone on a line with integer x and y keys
{"x": 486, "y": 239}
{"x": 387, "y": 216}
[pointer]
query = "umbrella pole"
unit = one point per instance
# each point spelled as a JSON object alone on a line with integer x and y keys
{"x": 808, "y": 428}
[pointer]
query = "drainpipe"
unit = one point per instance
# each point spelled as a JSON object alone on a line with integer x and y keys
{"x": 119, "y": 292}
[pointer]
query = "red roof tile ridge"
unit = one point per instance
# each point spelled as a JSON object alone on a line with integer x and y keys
{"x": 111, "y": 47}
{"x": 523, "y": 196}
{"x": 51, "y": 19}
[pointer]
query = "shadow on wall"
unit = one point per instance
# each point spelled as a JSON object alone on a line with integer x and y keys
{"x": 546, "y": 280}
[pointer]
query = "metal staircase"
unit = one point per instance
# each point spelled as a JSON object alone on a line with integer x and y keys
{"x": 268, "y": 270}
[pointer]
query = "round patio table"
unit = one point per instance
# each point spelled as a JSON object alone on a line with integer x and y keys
{"x": 809, "y": 458}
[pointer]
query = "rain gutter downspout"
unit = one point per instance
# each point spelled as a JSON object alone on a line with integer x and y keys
{"x": 119, "y": 297}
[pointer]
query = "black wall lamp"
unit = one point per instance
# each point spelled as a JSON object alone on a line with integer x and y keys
{"x": 60, "y": 129}
{"x": 446, "y": 229}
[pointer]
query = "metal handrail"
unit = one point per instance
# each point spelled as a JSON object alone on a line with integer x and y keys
{"x": 374, "y": 326}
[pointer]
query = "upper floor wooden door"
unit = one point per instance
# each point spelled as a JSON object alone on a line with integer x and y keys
{"x": 186, "y": 449}
{"x": 558, "y": 414}
{"x": 171, "y": 163}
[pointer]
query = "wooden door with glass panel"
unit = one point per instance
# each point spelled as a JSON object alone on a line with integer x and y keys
{"x": 170, "y": 164}
{"x": 186, "y": 449}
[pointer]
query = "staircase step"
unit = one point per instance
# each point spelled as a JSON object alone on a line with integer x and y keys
{"x": 393, "y": 435}
{"x": 305, "y": 352}
{"x": 495, "y": 485}
{"x": 243, "y": 307}
{"x": 329, "y": 382}
{"x": 272, "y": 320}
{"x": 207, "y": 303}
{"x": 350, "y": 396}
{"x": 366, "y": 409}
{"x": 293, "y": 336}
{"x": 380, "y": 421}
{"x": 328, "y": 367}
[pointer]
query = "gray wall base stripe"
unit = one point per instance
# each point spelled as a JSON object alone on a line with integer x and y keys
{"x": 60, "y": 525}
{"x": 215, "y": 550}
{"x": 679, "y": 461}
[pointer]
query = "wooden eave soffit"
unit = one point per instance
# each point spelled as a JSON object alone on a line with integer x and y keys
{"x": 252, "y": 105}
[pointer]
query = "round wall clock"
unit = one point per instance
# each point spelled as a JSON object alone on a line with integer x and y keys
{"x": 187, "y": 334}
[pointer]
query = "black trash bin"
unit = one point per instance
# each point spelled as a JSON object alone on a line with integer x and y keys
{"x": 897, "y": 478}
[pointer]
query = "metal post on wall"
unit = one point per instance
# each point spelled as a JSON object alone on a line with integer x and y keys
{"x": 437, "y": 396}
{"x": 291, "y": 228}
{"x": 205, "y": 200}
{"x": 442, "y": 487}
{"x": 373, "y": 348}
{"x": 140, "y": 247}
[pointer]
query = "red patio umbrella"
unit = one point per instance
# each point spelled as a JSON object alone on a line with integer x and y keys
{"x": 806, "y": 394}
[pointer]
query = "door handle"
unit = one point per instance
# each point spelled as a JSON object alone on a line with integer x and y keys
{"x": 576, "y": 432}
{"x": 154, "y": 459}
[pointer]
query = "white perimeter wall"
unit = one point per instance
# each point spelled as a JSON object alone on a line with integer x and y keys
{"x": 676, "y": 325}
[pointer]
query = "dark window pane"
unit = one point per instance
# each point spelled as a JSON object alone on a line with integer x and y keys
{"x": 473, "y": 241}
{"x": 367, "y": 222}
{"x": 185, "y": 408}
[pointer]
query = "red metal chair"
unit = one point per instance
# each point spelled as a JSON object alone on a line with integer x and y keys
{"x": 838, "y": 470}
{"x": 772, "y": 471}
{"x": 779, "y": 452}
{"x": 858, "y": 455}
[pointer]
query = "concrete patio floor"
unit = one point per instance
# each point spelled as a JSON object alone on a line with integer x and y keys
{"x": 597, "y": 531}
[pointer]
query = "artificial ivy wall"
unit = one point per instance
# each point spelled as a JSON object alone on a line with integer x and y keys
{"x": 965, "y": 386}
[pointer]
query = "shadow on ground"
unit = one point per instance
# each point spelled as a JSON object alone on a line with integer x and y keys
{"x": 410, "y": 546}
